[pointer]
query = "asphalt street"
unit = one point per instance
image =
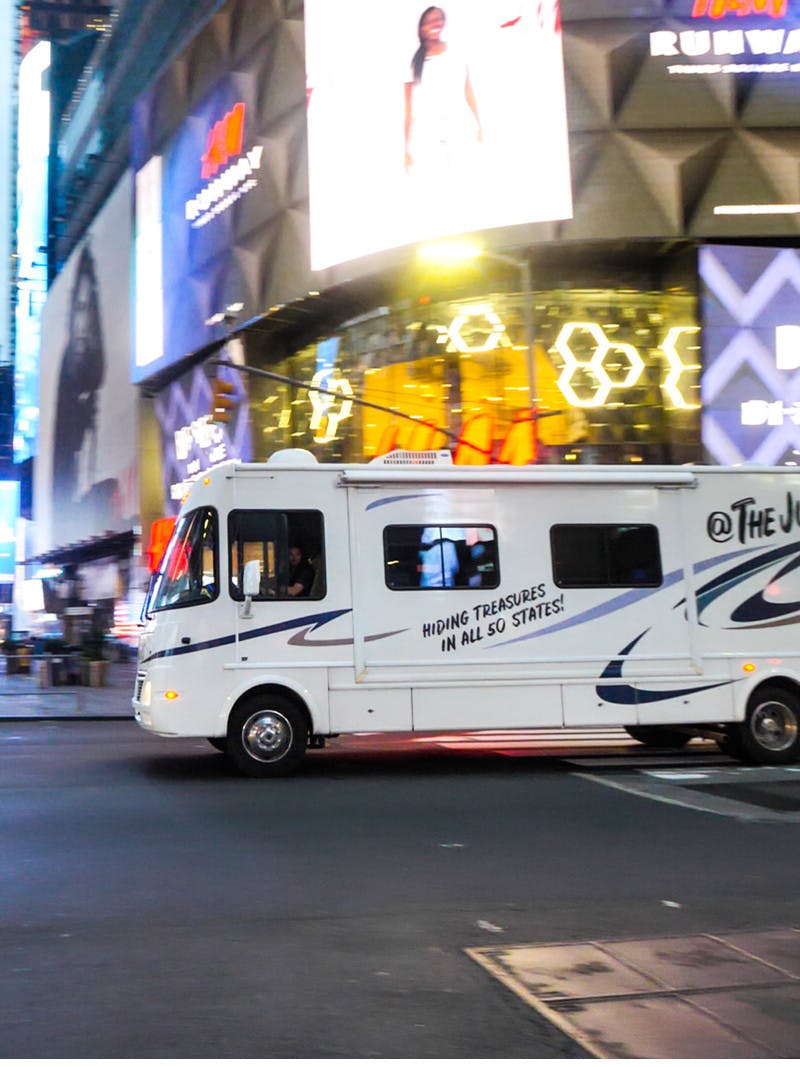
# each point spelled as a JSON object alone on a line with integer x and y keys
{"x": 155, "y": 904}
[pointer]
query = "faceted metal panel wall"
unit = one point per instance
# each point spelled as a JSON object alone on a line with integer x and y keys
{"x": 651, "y": 153}
{"x": 654, "y": 152}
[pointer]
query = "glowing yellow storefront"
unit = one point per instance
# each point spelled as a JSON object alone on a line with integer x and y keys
{"x": 615, "y": 379}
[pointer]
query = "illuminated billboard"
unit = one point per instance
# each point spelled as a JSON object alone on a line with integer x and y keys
{"x": 8, "y": 61}
{"x": 86, "y": 480}
{"x": 731, "y": 37}
{"x": 190, "y": 441}
{"x": 32, "y": 155}
{"x": 219, "y": 159}
{"x": 195, "y": 202}
{"x": 445, "y": 120}
{"x": 9, "y": 512}
{"x": 751, "y": 343}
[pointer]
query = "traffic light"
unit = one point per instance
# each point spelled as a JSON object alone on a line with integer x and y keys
{"x": 222, "y": 402}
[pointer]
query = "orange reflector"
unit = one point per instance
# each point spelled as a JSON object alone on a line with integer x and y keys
{"x": 170, "y": 695}
{"x": 748, "y": 667}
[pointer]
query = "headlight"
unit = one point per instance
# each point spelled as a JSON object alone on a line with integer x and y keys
{"x": 147, "y": 693}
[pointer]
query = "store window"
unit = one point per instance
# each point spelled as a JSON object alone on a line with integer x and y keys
{"x": 440, "y": 557}
{"x": 594, "y": 556}
{"x": 289, "y": 547}
{"x": 615, "y": 379}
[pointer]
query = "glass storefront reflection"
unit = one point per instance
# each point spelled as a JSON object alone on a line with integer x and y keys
{"x": 616, "y": 379}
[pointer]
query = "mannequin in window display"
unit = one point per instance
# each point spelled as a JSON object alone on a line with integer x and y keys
{"x": 81, "y": 503}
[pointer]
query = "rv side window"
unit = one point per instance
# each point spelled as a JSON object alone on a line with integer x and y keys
{"x": 593, "y": 556}
{"x": 188, "y": 571}
{"x": 289, "y": 548}
{"x": 440, "y": 557}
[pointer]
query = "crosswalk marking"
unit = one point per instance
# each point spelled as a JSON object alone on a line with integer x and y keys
{"x": 716, "y": 795}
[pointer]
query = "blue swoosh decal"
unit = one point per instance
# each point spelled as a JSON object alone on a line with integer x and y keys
{"x": 302, "y": 638}
{"x": 762, "y": 612}
{"x": 312, "y": 621}
{"x": 755, "y": 609}
{"x": 628, "y": 694}
{"x": 615, "y": 604}
{"x": 393, "y": 499}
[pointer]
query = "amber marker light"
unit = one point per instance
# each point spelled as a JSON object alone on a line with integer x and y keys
{"x": 170, "y": 695}
{"x": 748, "y": 668}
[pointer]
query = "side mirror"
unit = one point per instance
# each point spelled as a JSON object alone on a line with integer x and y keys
{"x": 252, "y": 578}
{"x": 251, "y": 585}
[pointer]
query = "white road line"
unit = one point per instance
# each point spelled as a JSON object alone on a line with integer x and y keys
{"x": 667, "y": 792}
{"x": 626, "y": 787}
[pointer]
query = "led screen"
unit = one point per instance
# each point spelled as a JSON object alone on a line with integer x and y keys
{"x": 8, "y": 64}
{"x": 33, "y": 153}
{"x": 9, "y": 511}
{"x": 193, "y": 203}
{"x": 730, "y": 38}
{"x": 86, "y": 481}
{"x": 751, "y": 345}
{"x": 190, "y": 441}
{"x": 435, "y": 121}
{"x": 220, "y": 189}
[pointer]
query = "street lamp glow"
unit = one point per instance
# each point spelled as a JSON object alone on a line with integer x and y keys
{"x": 459, "y": 250}
{"x": 444, "y": 253}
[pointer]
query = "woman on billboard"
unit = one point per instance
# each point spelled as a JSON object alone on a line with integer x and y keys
{"x": 442, "y": 123}
{"x": 81, "y": 503}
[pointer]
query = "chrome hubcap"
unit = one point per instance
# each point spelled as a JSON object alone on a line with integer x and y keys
{"x": 267, "y": 736}
{"x": 774, "y": 726}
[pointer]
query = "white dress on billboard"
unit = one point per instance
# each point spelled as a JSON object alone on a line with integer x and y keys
{"x": 444, "y": 132}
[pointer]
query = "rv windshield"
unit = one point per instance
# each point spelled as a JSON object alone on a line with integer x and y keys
{"x": 188, "y": 572}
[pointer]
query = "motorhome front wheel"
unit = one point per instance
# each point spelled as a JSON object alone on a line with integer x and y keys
{"x": 267, "y": 736}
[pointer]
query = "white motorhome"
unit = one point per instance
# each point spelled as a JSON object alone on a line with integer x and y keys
{"x": 433, "y": 597}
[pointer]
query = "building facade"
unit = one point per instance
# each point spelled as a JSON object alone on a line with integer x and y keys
{"x": 634, "y": 193}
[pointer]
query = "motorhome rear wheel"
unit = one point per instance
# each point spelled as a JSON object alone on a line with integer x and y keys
{"x": 770, "y": 732}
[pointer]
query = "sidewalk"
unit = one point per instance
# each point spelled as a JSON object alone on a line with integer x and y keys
{"x": 22, "y": 698}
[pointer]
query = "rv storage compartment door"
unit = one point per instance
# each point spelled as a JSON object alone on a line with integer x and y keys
{"x": 359, "y": 708}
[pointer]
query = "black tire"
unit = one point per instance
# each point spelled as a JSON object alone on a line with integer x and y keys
{"x": 267, "y": 735}
{"x": 658, "y": 736}
{"x": 219, "y": 743}
{"x": 770, "y": 733}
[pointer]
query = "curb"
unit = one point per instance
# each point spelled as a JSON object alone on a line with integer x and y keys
{"x": 66, "y": 718}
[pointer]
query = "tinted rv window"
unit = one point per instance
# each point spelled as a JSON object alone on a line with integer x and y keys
{"x": 440, "y": 557}
{"x": 289, "y": 547}
{"x": 188, "y": 572}
{"x": 590, "y": 556}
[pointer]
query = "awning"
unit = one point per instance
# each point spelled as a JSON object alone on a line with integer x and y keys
{"x": 271, "y": 336}
{"x": 107, "y": 546}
